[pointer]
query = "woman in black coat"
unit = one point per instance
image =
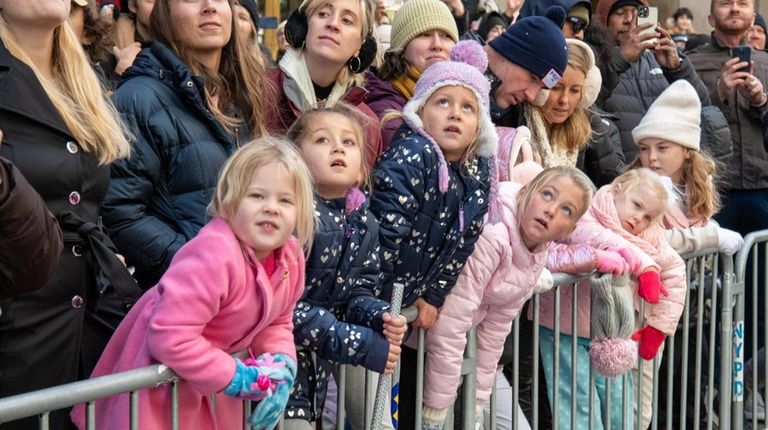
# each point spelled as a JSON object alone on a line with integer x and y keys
{"x": 55, "y": 334}
{"x": 190, "y": 99}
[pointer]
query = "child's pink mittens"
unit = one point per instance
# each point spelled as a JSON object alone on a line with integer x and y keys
{"x": 649, "y": 341}
{"x": 611, "y": 262}
{"x": 649, "y": 287}
{"x": 633, "y": 261}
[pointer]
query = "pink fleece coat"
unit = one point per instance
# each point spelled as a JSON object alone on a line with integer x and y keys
{"x": 488, "y": 295}
{"x": 214, "y": 300}
{"x": 600, "y": 227}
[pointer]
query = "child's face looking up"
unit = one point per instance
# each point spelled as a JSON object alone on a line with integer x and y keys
{"x": 331, "y": 147}
{"x": 552, "y": 212}
{"x": 637, "y": 209}
{"x": 450, "y": 116}
{"x": 265, "y": 217}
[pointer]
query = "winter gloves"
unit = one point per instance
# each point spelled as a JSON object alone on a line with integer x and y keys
{"x": 611, "y": 262}
{"x": 729, "y": 241}
{"x": 649, "y": 287}
{"x": 649, "y": 341}
{"x": 433, "y": 418}
{"x": 267, "y": 379}
{"x": 612, "y": 320}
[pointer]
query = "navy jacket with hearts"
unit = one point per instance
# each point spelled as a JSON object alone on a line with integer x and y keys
{"x": 426, "y": 235}
{"x": 338, "y": 319}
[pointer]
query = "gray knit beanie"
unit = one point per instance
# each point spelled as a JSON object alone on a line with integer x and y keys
{"x": 613, "y": 321}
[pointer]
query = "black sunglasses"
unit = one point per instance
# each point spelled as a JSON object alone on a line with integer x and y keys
{"x": 577, "y": 24}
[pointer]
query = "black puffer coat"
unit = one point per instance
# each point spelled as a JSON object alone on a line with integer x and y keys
{"x": 157, "y": 199}
{"x": 602, "y": 160}
{"x": 639, "y": 84}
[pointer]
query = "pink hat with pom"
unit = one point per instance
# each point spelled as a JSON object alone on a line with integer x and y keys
{"x": 466, "y": 68}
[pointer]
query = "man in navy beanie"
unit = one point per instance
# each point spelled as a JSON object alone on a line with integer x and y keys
{"x": 529, "y": 56}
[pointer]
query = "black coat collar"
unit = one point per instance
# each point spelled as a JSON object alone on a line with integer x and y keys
{"x": 22, "y": 93}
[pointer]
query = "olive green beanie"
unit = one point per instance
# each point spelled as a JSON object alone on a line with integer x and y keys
{"x": 417, "y": 16}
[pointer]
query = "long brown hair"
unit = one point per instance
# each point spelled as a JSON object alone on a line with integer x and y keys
{"x": 240, "y": 80}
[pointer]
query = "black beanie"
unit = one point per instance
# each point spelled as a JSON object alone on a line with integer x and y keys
{"x": 253, "y": 11}
{"x": 536, "y": 43}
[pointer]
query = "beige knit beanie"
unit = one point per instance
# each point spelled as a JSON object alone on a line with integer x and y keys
{"x": 674, "y": 116}
{"x": 417, "y": 16}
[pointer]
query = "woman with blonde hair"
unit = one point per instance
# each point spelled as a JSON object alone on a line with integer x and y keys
{"x": 562, "y": 127}
{"x": 62, "y": 134}
{"x": 191, "y": 98}
{"x": 331, "y": 46}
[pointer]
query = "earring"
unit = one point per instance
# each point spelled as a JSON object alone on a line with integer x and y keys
{"x": 355, "y": 67}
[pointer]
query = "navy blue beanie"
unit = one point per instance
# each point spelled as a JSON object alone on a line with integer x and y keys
{"x": 536, "y": 43}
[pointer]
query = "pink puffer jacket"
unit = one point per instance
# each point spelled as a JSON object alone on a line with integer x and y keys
{"x": 600, "y": 228}
{"x": 488, "y": 295}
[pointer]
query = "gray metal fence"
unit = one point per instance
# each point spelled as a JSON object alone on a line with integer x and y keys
{"x": 706, "y": 384}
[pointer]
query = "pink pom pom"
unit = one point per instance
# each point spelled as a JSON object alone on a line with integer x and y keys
{"x": 612, "y": 356}
{"x": 470, "y": 52}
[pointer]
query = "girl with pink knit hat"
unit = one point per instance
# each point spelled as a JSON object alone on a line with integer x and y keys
{"x": 432, "y": 186}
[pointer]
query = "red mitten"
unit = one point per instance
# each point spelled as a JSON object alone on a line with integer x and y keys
{"x": 611, "y": 262}
{"x": 649, "y": 341}
{"x": 649, "y": 287}
{"x": 630, "y": 257}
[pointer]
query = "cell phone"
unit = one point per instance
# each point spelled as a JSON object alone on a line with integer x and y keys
{"x": 646, "y": 14}
{"x": 743, "y": 53}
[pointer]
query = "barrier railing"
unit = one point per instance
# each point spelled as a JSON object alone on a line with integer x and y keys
{"x": 719, "y": 302}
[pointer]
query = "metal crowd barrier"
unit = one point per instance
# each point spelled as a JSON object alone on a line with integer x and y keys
{"x": 716, "y": 321}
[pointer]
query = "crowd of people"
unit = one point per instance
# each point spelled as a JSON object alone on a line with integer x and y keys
{"x": 243, "y": 218}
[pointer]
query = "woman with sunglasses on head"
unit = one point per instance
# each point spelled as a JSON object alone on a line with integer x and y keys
{"x": 191, "y": 98}
{"x": 331, "y": 47}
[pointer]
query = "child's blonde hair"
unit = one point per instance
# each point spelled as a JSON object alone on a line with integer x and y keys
{"x": 698, "y": 172}
{"x": 646, "y": 178}
{"x": 545, "y": 176}
{"x": 298, "y": 130}
{"x": 237, "y": 173}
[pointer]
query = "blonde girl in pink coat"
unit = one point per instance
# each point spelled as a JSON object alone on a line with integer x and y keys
{"x": 626, "y": 214}
{"x": 221, "y": 316}
{"x": 496, "y": 280}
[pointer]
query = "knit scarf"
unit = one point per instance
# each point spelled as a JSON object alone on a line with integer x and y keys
{"x": 550, "y": 157}
{"x": 294, "y": 65}
{"x": 603, "y": 209}
{"x": 677, "y": 215}
{"x": 406, "y": 83}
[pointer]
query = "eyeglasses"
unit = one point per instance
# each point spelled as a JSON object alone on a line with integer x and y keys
{"x": 577, "y": 24}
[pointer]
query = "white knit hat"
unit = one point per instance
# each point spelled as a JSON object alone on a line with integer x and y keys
{"x": 674, "y": 116}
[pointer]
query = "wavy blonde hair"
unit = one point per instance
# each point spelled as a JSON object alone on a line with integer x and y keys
{"x": 703, "y": 200}
{"x": 647, "y": 179}
{"x": 240, "y": 81}
{"x": 77, "y": 94}
{"x": 574, "y": 133}
{"x": 236, "y": 176}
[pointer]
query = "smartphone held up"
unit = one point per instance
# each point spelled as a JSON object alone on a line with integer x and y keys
{"x": 744, "y": 54}
{"x": 645, "y": 15}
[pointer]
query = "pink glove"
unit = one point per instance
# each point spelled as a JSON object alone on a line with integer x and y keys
{"x": 649, "y": 287}
{"x": 630, "y": 257}
{"x": 611, "y": 262}
{"x": 649, "y": 341}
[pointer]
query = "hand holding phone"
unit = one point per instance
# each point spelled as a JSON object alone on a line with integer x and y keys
{"x": 744, "y": 54}
{"x": 645, "y": 15}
